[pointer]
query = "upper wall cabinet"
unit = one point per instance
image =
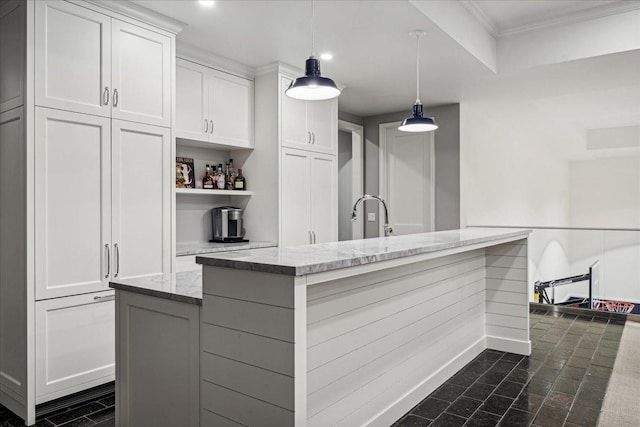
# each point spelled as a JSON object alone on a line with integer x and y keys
{"x": 308, "y": 125}
{"x": 12, "y": 23}
{"x": 88, "y": 62}
{"x": 213, "y": 106}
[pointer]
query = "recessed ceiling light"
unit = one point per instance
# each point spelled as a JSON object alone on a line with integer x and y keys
{"x": 326, "y": 56}
{"x": 207, "y": 3}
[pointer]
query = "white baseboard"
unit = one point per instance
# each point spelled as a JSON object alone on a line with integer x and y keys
{"x": 509, "y": 345}
{"x": 414, "y": 396}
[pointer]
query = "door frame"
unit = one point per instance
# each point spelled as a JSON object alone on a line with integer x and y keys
{"x": 382, "y": 174}
{"x": 357, "y": 170}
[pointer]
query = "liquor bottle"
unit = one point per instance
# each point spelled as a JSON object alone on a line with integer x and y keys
{"x": 207, "y": 181}
{"x": 220, "y": 177}
{"x": 232, "y": 176}
{"x": 239, "y": 183}
{"x": 227, "y": 178}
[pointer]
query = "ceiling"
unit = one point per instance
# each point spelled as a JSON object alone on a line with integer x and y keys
{"x": 374, "y": 57}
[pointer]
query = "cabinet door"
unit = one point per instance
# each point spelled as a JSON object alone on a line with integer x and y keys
{"x": 12, "y": 54}
{"x": 72, "y": 203}
{"x": 75, "y": 344}
{"x": 295, "y": 208}
{"x": 141, "y": 199}
{"x": 72, "y": 58}
{"x": 324, "y": 197}
{"x": 293, "y": 119}
{"x": 322, "y": 121}
{"x": 192, "y": 101}
{"x": 141, "y": 75}
{"x": 231, "y": 110}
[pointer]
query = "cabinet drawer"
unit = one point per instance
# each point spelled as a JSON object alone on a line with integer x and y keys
{"x": 75, "y": 344}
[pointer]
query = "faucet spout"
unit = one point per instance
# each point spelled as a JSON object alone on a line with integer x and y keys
{"x": 354, "y": 214}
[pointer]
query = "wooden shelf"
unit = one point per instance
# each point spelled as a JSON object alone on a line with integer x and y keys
{"x": 203, "y": 192}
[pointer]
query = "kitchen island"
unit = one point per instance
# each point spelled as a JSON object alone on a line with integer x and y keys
{"x": 346, "y": 333}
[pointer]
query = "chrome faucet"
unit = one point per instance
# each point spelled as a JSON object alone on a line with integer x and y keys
{"x": 354, "y": 215}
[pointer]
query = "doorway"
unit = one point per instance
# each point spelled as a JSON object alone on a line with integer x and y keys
{"x": 407, "y": 179}
{"x": 350, "y": 179}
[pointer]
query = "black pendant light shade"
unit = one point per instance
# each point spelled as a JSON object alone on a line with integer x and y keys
{"x": 312, "y": 87}
{"x": 418, "y": 123}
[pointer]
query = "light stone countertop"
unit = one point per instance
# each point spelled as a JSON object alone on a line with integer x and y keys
{"x": 310, "y": 259}
{"x": 196, "y": 248}
{"x": 185, "y": 286}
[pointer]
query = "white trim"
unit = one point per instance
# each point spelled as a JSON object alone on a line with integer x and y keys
{"x": 202, "y": 57}
{"x": 382, "y": 174}
{"x": 140, "y": 13}
{"x": 357, "y": 172}
{"x": 474, "y": 8}
{"x": 509, "y": 345}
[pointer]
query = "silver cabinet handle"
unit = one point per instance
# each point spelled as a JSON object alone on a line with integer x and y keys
{"x": 106, "y": 246}
{"x": 310, "y": 238}
{"x": 105, "y": 96}
{"x": 211, "y": 128}
{"x": 313, "y": 134}
{"x": 105, "y": 298}
{"x": 117, "y": 259}
{"x": 308, "y": 137}
{"x": 314, "y": 237}
{"x": 115, "y": 97}
{"x": 206, "y": 126}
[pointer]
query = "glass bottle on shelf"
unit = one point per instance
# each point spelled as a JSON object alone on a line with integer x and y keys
{"x": 239, "y": 182}
{"x": 207, "y": 181}
{"x": 220, "y": 177}
{"x": 232, "y": 176}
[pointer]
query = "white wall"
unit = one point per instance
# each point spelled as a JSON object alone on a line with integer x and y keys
{"x": 515, "y": 171}
{"x": 509, "y": 173}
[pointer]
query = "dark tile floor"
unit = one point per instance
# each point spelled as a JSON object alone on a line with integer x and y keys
{"x": 562, "y": 383}
{"x": 100, "y": 412}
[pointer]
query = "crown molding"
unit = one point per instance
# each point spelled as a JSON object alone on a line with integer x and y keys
{"x": 209, "y": 59}
{"x": 487, "y": 23}
{"x": 140, "y": 13}
{"x": 473, "y": 7}
{"x": 279, "y": 67}
{"x": 575, "y": 17}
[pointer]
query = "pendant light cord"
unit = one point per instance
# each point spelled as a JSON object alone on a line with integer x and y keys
{"x": 313, "y": 41}
{"x": 418, "y": 69}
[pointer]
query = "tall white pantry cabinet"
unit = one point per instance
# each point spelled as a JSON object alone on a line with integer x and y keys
{"x": 86, "y": 112}
{"x": 296, "y": 159}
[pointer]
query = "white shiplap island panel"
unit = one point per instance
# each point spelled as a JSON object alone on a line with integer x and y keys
{"x": 360, "y": 333}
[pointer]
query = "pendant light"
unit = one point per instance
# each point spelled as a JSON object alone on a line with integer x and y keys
{"x": 417, "y": 123}
{"x": 312, "y": 86}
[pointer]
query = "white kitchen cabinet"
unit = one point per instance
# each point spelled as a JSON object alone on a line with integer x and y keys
{"x": 61, "y": 212}
{"x": 75, "y": 344}
{"x": 12, "y": 54}
{"x": 295, "y": 208}
{"x": 141, "y": 199}
{"x": 141, "y": 74}
{"x": 213, "y": 106}
{"x": 308, "y": 125}
{"x": 72, "y": 203}
{"x": 73, "y": 58}
{"x": 102, "y": 202}
{"x": 117, "y": 69}
{"x": 309, "y": 188}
